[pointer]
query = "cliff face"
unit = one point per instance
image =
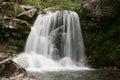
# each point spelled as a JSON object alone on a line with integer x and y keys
{"x": 17, "y": 15}
{"x": 100, "y": 21}
{"x": 15, "y": 22}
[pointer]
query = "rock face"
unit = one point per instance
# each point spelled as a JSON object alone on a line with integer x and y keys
{"x": 7, "y": 50}
{"x": 12, "y": 9}
{"x": 16, "y": 23}
{"x": 28, "y": 15}
{"x": 91, "y": 7}
{"x": 28, "y": 7}
{"x": 13, "y": 30}
{"x": 16, "y": 15}
{"x": 99, "y": 8}
{"x": 12, "y": 71}
{"x": 100, "y": 20}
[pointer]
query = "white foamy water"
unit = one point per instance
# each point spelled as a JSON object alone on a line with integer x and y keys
{"x": 55, "y": 43}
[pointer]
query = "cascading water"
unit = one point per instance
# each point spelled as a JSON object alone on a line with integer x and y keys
{"x": 55, "y": 42}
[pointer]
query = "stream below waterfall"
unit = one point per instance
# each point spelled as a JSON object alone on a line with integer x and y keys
{"x": 78, "y": 75}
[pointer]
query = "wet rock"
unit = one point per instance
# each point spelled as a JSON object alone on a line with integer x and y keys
{"x": 29, "y": 15}
{"x": 47, "y": 10}
{"x": 28, "y": 7}
{"x": 50, "y": 9}
{"x": 12, "y": 71}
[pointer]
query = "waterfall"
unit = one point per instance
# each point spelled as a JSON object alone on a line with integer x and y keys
{"x": 55, "y": 42}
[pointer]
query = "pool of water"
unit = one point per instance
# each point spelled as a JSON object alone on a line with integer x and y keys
{"x": 78, "y": 75}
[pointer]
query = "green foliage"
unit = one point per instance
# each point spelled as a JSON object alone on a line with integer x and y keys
{"x": 107, "y": 11}
{"x": 1, "y": 28}
{"x": 12, "y": 36}
{"x": 102, "y": 40}
{"x": 2, "y": 23}
{"x": 57, "y": 4}
{"x": 60, "y": 4}
{"x": 36, "y": 3}
{"x": 12, "y": 9}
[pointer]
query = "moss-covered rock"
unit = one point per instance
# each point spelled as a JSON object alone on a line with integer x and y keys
{"x": 17, "y": 23}
{"x": 91, "y": 8}
{"x": 8, "y": 50}
{"x": 1, "y": 15}
{"x": 99, "y": 8}
{"x": 29, "y": 15}
{"x": 100, "y": 22}
{"x": 12, "y": 9}
{"x": 14, "y": 37}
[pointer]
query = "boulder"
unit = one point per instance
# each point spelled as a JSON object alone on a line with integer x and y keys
{"x": 16, "y": 16}
{"x": 29, "y": 15}
{"x": 28, "y": 7}
{"x": 12, "y": 9}
{"x": 98, "y": 8}
{"x": 16, "y": 23}
{"x": 49, "y": 9}
{"x": 9, "y": 70}
{"x": 7, "y": 50}
{"x": 91, "y": 8}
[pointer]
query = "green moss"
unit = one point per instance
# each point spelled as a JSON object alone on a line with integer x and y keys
{"x": 22, "y": 23}
{"x": 1, "y": 68}
{"x": 12, "y": 9}
{"x": 14, "y": 37}
{"x": 33, "y": 3}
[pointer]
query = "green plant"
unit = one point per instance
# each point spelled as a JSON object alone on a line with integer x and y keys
{"x": 57, "y": 4}
{"x": 33, "y": 2}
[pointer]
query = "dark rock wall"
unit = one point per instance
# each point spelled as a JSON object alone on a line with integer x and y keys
{"x": 100, "y": 22}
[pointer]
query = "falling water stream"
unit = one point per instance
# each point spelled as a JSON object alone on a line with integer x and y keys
{"x": 54, "y": 43}
{"x": 55, "y": 50}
